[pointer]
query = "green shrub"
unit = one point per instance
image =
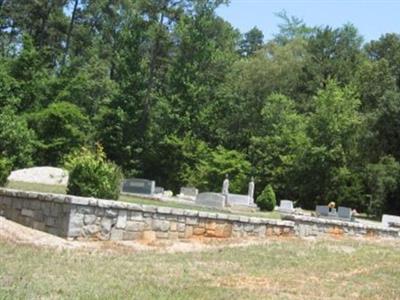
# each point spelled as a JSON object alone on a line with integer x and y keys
{"x": 91, "y": 175}
{"x": 267, "y": 199}
{"x": 5, "y": 170}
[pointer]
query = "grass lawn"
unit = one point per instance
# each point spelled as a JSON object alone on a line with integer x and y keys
{"x": 61, "y": 190}
{"x": 281, "y": 269}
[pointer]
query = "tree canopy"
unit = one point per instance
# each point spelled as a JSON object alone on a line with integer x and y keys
{"x": 174, "y": 93}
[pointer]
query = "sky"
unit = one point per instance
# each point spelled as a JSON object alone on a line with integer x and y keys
{"x": 372, "y": 17}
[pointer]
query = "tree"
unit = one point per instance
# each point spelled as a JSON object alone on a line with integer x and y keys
{"x": 61, "y": 128}
{"x": 387, "y": 47}
{"x": 334, "y": 54}
{"x": 209, "y": 172}
{"x": 334, "y": 128}
{"x": 291, "y": 28}
{"x": 17, "y": 140}
{"x": 386, "y": 125}
{"x": 90, "y": 88}
{"x": 381, "y": 179}
{"x": 31, "y": 76}
{"x": 252, "y": 41}
{"x": 274, "y": 69}
{"x": 276, "y": 151}
{"x": 373, "y": 79}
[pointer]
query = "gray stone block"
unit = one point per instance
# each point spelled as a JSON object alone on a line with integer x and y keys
{"x": 104, "y": 203}
{"x": 79, "y": 201}
{"x": 55, "y": 210}
{"x": 133, "y": 206}
{"x": 27, "y": 212}
{"x": 164, "y": 210}
{"x": 134, "y": 226}
{"x": 121, "y": 220}
{"x": 244, "y": 219}
{"x": 203, "y": 214}
{"x": 89, "y": 219}
{"x": 111, "y": 213}
{"x": 50, "y": 221}
{"x": 192, "y": 221}
{"x": 137, "y": 216}
{"x": 85, "y": 209}
{"x": 117, "y": 235}
{"x": 159, "y": 225}
{"x": 149, "y": 208}
{"x": 162, "y": 235}
{"x": 181, "y": 227}
{"x": 178, "y": 211}
{"x": 130, "y": 236}
{"x": 106, "y": 224}
{"x": 91, "y": 230}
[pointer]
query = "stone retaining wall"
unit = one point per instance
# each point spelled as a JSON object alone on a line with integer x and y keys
{"x": 89, "y": 218}
{"x": 312, "y": 226}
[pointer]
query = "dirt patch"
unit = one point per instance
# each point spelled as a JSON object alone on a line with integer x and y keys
{"x": 242, "y": 281}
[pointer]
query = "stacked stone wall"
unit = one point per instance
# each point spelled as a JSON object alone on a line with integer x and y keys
{"x": 89, "y": 218}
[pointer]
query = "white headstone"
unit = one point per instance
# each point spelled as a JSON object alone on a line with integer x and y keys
{"x": 386, "y": 219}
{"x": 225, "y": 187}
{"x": 251, "y": 190}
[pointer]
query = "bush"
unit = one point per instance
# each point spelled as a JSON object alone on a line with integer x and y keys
{"x": 5, "y": 170}
{"x": 17, "y": 141}
{"x": 267, "y": 199}
{"x": 91, "y": 175}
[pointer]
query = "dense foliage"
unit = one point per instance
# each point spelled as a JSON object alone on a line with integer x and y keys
{"x": 91, "y": 175}
{"x": 5, "y": 170}
{"x": 174, "y": 93}
{"x": 267, "y": 199}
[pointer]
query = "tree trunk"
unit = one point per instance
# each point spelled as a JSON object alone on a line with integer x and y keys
{"x": 69, "y": 33}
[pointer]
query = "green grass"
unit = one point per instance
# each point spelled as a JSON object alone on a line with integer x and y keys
{"x": 282, "y": 269}
{"x": 61, "y": 190}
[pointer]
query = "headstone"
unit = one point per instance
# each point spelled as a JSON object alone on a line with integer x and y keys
{"x": 235, "y": 199}
{"x": 387, "y": 219}
{"x": 251, "y": 190}
{"x": 139, "y": 186}
{"x": 286, "y": 206}
{"x": 211, "y": 200}
{"x": 322, "y": 210}
{"x": 158, "y": 190}
{"x": 332, "y": 212}
{"x": 225, "y": 186}
{"x": 189, "y": 192}
{"x": 344, "y": 213}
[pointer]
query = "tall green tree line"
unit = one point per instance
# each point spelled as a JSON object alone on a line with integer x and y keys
{"x": 175, "y": 93}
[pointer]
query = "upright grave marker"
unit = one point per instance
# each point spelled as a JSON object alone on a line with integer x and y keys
{"x": 139, "y": 186}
